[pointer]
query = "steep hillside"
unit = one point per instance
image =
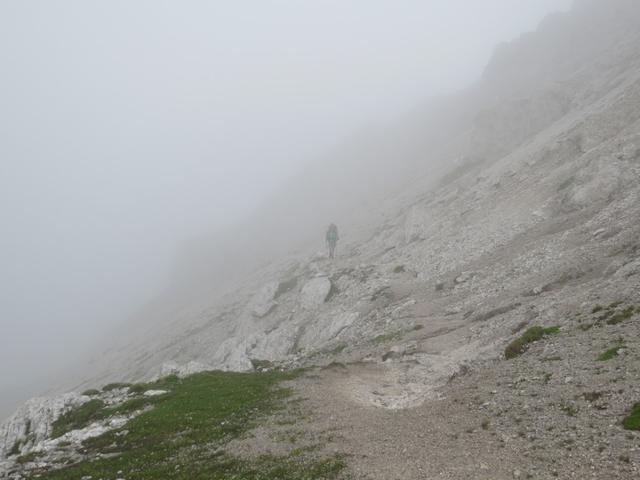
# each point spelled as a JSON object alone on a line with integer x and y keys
{"x": 490, "y": 308}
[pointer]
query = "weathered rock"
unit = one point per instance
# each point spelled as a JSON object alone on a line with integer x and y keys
{"x": 323, "y": 330}
{"x": 233, "y": 355}
{"x": 32, "y": 423}
{"x": 315, "y": 292}
{"x": 154, "y": 393}
{"x": 263, "y": 302}
{"x": 172, "y": 368}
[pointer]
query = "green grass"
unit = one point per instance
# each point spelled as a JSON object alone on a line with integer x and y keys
{"x": 632, "y": 422}
{"x": 612, "y": 352}
{"x": 184, "y": 435}
{"x": 609, "y": 354}
{"x": 521, "y": 344}
{"x": 91, "y": 392}
{"x": 78, "y": 417}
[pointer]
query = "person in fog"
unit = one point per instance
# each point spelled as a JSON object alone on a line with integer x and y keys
{"x": 332, "y": 239}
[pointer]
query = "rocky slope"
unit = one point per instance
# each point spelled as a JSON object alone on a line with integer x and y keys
{"x": 536, "y": 222}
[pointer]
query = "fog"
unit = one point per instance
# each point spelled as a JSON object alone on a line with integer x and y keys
{"x": 129, "y": 128}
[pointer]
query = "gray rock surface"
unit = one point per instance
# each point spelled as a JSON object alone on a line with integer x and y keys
{"x": 315, "y": 292}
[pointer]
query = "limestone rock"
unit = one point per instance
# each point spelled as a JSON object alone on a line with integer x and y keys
{"x": 32, "y": 423}
{"x": 323, "y": 330}
{"x": 172, "y": 368}
{"x": 263, "y": 303}
{"x": 315, "y": 292}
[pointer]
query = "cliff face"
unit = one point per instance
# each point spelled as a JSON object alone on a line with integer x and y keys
{"x": 520, "y": 206}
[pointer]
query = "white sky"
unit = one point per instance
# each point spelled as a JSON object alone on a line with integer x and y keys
{"x": 127, "y": 126}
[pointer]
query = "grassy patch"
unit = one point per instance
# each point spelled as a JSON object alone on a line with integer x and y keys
{"x": 521, "y": 344}
{"x": 609, "y": 354}
{"x": 612, "y": 352}
{"x": 91, "y": 392}
{"x": 632, "y": 422}
{"x": 79, "y": 417}
{"x": 183, "y": 437}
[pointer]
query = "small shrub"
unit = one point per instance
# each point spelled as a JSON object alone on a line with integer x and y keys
{"x": 91, "y": 392}
{"x": 485, "y": 424}
{"x": 632, "y": 422}
{"x": 439, "y": 286}
{"x": 597, "y": 308}
{"x": 521, "y": 344}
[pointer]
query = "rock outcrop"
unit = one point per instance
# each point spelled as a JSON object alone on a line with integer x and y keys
{"x": 32, "y": 423}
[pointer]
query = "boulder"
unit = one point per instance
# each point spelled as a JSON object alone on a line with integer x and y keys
{"x": 183, "y": 370}
{"x": 322, "y": 331}
{"x": 232, "y": 355}
{"x": 263, "y": 302}
{"x": 315, "y": 292}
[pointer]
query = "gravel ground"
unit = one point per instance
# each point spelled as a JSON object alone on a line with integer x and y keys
{"x": 553, "y": 412}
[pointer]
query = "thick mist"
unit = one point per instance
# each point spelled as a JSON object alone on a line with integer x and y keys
{"x": 127, "y": 129}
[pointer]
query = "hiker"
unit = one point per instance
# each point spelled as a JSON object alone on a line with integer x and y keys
{"x": 332, "y": 239}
